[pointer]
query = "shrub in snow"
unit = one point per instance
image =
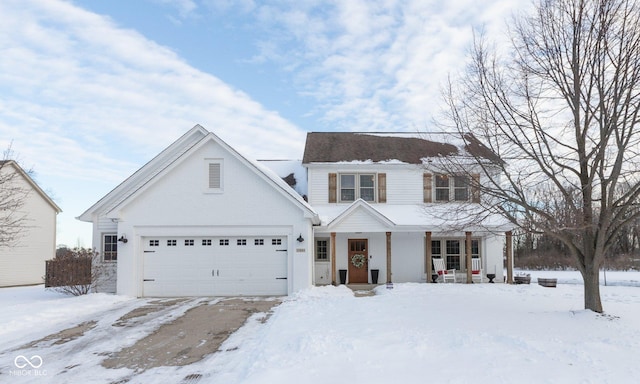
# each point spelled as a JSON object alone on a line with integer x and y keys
{"x": 74, "y": 271}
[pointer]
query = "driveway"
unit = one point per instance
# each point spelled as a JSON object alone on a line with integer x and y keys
{"x": 157, "y": 333}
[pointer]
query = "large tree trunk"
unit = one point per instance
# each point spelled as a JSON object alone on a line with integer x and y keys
{"x": 592, "y": 300}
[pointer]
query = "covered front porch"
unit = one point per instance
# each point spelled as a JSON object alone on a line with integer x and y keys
{"x": 400, "y": 257}
{"x": 361, "y": 245}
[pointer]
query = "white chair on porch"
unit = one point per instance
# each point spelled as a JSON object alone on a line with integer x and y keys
{"x": 444, "y": 273}
{"x": 476, "y": 269}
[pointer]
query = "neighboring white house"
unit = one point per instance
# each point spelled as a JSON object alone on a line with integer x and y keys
{"x": 202, "y": 220}
{"x": 22, "y": 262}
{"x": 384, "y": 205}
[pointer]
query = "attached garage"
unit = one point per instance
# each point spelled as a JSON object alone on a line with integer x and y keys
{"x": 214, "y": 266}
{"x": 200, "y": 219}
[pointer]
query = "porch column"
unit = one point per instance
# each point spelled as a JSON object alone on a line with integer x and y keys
{"x": 333, "y": 258}
{"x": 467, "y": 256}
{"x": 388, "y": 257}
{"x": 509, "y": 245}
{"x": 427, "y": 249}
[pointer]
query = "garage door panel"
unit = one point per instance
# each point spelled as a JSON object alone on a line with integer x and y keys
{"x": 214, "y": 266}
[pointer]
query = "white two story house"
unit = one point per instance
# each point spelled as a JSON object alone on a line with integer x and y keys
{"x": 387, "y": 209}
{"x": 187, "y": 223}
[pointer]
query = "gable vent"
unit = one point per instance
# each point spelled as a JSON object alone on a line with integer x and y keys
{"x": 214, "y": 176}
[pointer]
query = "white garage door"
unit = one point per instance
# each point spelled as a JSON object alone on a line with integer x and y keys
{"x": 214, "y": 266}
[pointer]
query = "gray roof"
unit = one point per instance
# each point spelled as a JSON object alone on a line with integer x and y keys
{"x": 331, "y": 147}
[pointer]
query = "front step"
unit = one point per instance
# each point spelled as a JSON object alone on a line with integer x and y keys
{"x": 362, "y": 289}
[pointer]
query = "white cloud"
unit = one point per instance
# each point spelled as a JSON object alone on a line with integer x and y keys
{"x": 86, "y": 103}
{"x": 76, "y": 79}
{"x": 376, "y": 65}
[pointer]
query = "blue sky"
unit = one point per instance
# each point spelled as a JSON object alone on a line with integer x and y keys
{"x": 91, "y": 90}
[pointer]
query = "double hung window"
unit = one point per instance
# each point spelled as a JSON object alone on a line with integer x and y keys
{"x": 452, "y": 188}
{"x": 355, "y": 186}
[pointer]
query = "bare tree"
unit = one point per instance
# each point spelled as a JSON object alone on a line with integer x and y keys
{"x": 13, "y": 194}
{"x": 560, "y": 107}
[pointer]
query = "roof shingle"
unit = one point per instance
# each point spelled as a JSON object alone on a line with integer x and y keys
{"x": 331, "y": 147}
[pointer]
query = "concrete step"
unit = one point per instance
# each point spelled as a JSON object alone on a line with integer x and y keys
{"x": 361, "y": 290}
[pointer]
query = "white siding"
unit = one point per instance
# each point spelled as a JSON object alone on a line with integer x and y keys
{"x": 322, "y": 273}
{"x": 407, "y": 257}
{"x": 404, "y": 181}
{"x": 404, "y": 186}
{"x": 106, "y": 225}
{"x": 24, "y": 262}
{"x": 493, "y": 256}
{"x": 177, "y": 204}
{"x": 360, "y": 220}
{"x": 318, "y": 184}
{"x": 107, "y": 276}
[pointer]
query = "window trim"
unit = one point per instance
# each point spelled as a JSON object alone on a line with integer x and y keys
{"x": 452, "y": 188}
{"x": 357, "y": 188}
{"x": 114, "y": 242}
{"x": 476, "y": 250}
{"x": 438, "y": 188}
{"x": 326, "y": 250}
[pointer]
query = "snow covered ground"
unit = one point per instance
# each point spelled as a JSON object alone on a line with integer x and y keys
{"x": 413, "y": 333}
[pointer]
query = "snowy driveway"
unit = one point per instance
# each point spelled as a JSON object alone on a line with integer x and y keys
{"x": 103, "y": 338}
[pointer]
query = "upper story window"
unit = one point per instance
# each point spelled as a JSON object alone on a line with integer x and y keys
{"x": 110, "y": 247}
{"x": 460, "y": 188}
{"x": 358, "y": 186}
{"x": 442, "y": 188}
{"x": 452, "y": 188}
{"x": 349, "y": 187}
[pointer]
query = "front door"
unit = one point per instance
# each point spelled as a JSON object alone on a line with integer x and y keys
{"x": 358, "y": 261}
